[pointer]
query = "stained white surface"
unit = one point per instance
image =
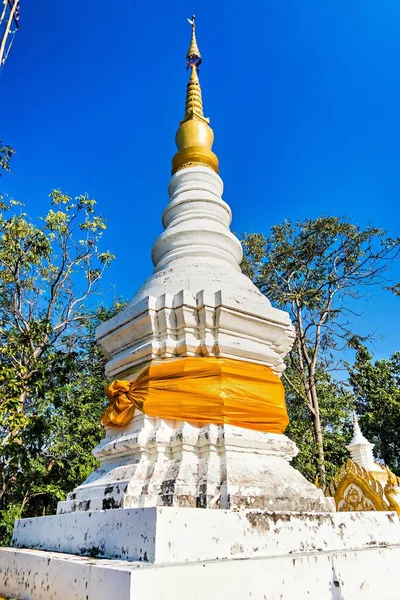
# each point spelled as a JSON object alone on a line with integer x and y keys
{"x": 172, "y": 535}
{"x": 370, "y": 574}
{"x": 35, "y": 575}
{"x": 153, "y": 462}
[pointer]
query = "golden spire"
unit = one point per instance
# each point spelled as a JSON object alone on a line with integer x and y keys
{"x": 194, "y": 137}
{"x": 193, "y": 56}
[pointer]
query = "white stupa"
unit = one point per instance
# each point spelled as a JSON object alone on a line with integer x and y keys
{"x": 175, "y": 504}
{"x": 361, "y": 450}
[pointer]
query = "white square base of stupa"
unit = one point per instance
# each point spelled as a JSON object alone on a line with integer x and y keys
{"x": 168, "y": 553}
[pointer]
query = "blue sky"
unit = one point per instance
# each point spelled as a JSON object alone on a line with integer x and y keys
{"x": 303, "y": 98}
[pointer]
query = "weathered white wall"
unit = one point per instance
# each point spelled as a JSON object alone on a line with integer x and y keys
{"x": 35, "y": 575}
{"x": 177, "y": 535}
{"x": 370, "y": 574}
{"x": 154, "y": 462}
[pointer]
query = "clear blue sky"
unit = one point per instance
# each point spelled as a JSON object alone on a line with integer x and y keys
{"x": 303, "y": 98}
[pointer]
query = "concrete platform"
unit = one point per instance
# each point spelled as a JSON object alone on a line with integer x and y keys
{"x": 166, "y": 535}
{"x": 352, "y": 575}
{"x": 202, "y": 554}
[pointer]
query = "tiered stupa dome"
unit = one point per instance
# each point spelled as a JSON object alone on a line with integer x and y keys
{"x": 196, "y": 402}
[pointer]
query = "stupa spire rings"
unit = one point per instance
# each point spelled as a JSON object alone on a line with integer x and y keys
{"x": 194, "y": 102}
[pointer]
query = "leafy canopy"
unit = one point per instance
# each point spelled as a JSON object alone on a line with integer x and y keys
{"x": 51, "y": 376}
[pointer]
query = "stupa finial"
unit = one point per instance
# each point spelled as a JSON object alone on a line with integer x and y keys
{"x": 194, "y": 102}
{"x": 194, "y": 137}
{"x": 193, "y": 56}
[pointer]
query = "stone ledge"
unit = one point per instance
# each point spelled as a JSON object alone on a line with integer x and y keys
{"x": 166, "y": 535}
{"x": 350, "y": 575}
{"x": 195, "y": 324}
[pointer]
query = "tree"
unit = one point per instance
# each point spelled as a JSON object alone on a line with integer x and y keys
{"x": 376, "y": 387}
{"x": 53, "y": 455}
{"x": 336, "y": 406}
{"x": 316, "y": 269}
{"x": 48, "y": 275}
{"x": 9, "y": 25}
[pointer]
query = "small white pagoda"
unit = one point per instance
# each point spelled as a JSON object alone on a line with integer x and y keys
{"x": 362, "y": 483}
{"x": 195, "y": 470}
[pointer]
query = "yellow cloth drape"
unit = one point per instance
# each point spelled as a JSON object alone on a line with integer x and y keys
{"x": 201, "y": 391}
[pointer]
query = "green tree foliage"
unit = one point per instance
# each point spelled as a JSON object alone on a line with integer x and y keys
{"x": 53, "y": 452}
{"x": 336, "y": 406}
{"x": 51, "y": 376}
{"x": 395, "y": 289}
{"x": 316, "y": 269}
{"x": 6, "y": 153}
{"x": 376, "y": 386}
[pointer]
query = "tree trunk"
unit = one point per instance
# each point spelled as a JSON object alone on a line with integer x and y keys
{"x": 308, "y": 381}
{"x": 319, "y": 440}
{"x": 318, "y": 433}
{"x": 22, "y": 400}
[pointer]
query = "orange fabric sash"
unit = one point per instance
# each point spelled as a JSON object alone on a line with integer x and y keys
{"x": 201, "y": 391}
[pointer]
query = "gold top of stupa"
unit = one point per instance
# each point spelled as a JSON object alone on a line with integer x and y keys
{"x": 194, "y": 138}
